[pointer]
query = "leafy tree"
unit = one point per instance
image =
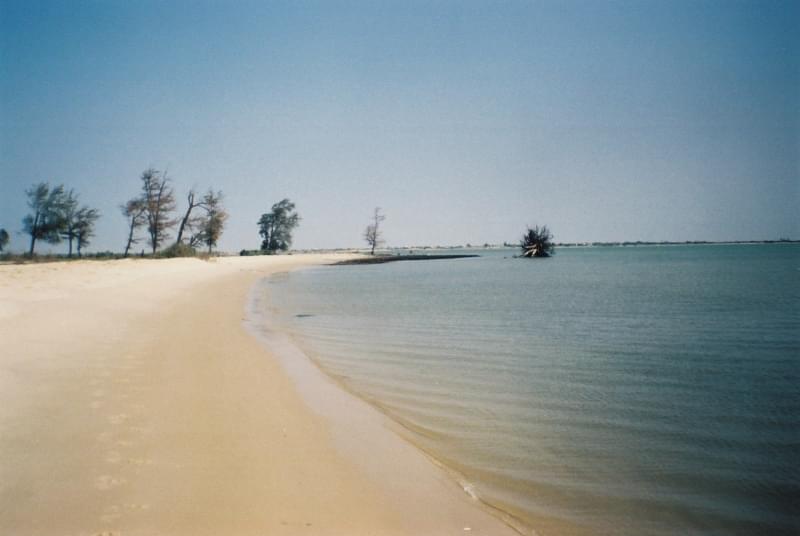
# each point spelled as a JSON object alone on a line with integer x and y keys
{"x": 159, "y": 200}
{"x": 69, "y": 210}
{"x": 373, "y": 234}
{"x": 276, "y": 227}
{"x": 47, "y": 219}
{"x": 134, "y": 211}
{"x": 78, "y": 222}
{"x": 537, "y": 242}
{"x": 84, "y": 226}
{"x": 4, "y": 238}
{"x": 213, "y": 222}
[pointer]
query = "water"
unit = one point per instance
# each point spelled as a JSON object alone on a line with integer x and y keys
{"x": 647, "y": 390}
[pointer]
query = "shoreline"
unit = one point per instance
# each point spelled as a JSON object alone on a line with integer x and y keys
{"x": 134, "y": 401}
{"x": 347, "y": 409}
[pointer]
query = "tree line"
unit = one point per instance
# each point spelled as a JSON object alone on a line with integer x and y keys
{"x": 201, "y": 224}
{"x": 57, "y": 214}
{"x": 152, "y": 216}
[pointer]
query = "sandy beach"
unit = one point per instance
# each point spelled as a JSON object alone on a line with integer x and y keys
{"x": 135, "y": 400}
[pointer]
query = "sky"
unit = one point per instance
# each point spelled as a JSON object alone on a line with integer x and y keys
{"x": 465, "y": 121}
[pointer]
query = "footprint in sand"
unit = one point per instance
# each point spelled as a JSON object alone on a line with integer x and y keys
{"x": 113, "y": 457}
{"x": 107, "y": 482}
{"x": 112, "y": 513}
{"x": 96, "y": 404}
{"x": 104, "y": 437}
{"x": 139, "y": 461}
{"x": 119, "y": 418}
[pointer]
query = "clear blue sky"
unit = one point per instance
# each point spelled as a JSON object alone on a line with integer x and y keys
{"x": 465, "y": 121}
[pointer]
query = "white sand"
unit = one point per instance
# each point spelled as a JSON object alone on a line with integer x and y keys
{"x": 134, "y": 400}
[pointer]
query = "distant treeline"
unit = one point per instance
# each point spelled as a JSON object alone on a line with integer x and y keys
{"x": 673, "y": 243}
{"x": 152, "y": 216}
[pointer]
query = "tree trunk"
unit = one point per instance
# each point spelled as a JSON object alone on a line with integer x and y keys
{"x": 34, "y": 230}
{"x": 185, "y": 220}
{"x": 183, "y": 225}
{"x": 373, "y": 249}
{"x": 130, "y": 239}
{"x": 69, "y": 252}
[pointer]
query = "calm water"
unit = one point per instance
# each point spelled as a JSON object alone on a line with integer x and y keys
{"x": 648, "y": 390}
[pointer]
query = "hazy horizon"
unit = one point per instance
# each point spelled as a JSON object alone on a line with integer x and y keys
{"x": 465, "y": 122}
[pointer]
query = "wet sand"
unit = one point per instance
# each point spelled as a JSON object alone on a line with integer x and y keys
{"x": 135, "y": 398}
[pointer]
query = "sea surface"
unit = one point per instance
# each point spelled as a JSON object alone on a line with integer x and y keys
{"x": 607, "y": 390}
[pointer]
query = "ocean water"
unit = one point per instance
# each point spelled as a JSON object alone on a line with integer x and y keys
{"x": 626, "y": 391}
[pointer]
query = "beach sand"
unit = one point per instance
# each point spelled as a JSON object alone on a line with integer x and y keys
{"x": 136, "y": 399}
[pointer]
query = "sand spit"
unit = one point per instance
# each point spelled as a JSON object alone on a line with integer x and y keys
{"x": 134, "y": 401}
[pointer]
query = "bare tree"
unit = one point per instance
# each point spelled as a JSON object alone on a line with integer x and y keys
{"x": 4, "y": 238}
{"x": 134, "y": 211}
{"x": 373, "y": 234}
{"x": 84, "y": 226}
{"x": 188, "y": 223}
{"x": 212, "y": 224}
{"x": 159, "y": 199}
{"x": 46, "y": 221}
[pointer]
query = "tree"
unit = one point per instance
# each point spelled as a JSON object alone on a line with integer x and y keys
{"x": 537, "y": 242}
{"x": 159, "y": 200}
{"x": 84, "y": 226}
{"x": 372, "y": 234}
{"x": 47, "y": 220}
{"x": 78, "y": 222}
{"x": 276, "y": 227}
{"x": 187, "y": 222}
{"x": 69, "y": 210}
{"x": 213, "y": 222}
{"x": 4, "y": 238}
{"x": 134, "y": 211}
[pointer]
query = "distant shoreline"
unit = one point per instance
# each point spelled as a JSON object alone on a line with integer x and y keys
{"x": 18, "y": 258}
{"x": 381, "y": 259}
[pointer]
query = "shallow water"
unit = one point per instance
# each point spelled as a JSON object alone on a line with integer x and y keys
{"x": 647, "y": 390}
